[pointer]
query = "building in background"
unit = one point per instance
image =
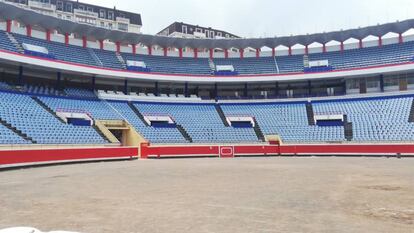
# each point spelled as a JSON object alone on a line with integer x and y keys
{"x": 109, "y": 18}
{"x": 184, "y": 30}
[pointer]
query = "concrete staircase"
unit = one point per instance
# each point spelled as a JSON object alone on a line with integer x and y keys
{"x": 17, "y": 131}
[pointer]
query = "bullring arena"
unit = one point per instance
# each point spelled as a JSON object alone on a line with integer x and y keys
{"x": 104, "y": 128}
{"x": 272, "y": 194}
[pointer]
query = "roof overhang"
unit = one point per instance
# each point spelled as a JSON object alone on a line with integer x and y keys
{"x": 29, "y": 17}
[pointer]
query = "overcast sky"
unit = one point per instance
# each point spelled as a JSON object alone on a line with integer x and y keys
{"x": 264, "y": 18}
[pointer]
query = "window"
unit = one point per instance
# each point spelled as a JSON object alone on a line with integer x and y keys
{"x": 219, "y": 34}
{"x": 110, "y": 15}
{"x": 69, "y": 7}
{"x": 372, "y": 83}
{"x": 59, "y": 6}
{"x": 122, "y": 15}
{"x": 123, "y": 27}
{"x": 211, "y": 34}
{"x": 207, "y": 33}
{"x": 391, "y": 81}
{"x": 184, "y": 29}
{"x": 199, "y": 30}
{"x": 81, "y": 7}
{"x": 102, "y": 14}
{"x": 90, "y": 9}
{"x": 102, "y": 24}
{"x": 352, "y": 84}
{"x": 110, "y": 25}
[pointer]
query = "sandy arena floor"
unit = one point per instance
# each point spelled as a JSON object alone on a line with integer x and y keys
{"x": 214, "y": 195}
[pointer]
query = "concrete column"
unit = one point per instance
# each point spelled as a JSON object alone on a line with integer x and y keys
{"x": 134, "y": 49}
{"x": 118, "y": 47}
{"x": 84, "y": 41}
{"x": 66, "y": 38}
{"x": 48, "y": 34}
{"x": 8, "y": 25}
{"x": 211, "y": 53}
{"x": 29, "y": 30}
{"x": 126, "y": 87}
{"x": 58, "y": 80}
{"x": 180, "y": 52}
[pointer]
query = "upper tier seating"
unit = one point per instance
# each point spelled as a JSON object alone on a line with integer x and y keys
{"x": 201, "y": 121}
{"x": 107, "y": 58}
{"x": 355, "y": 58}
{"x": 172, "y": 65}
{"x": 375, "y": 120}
{"x": 262, "y": 65}
{"x": 60, "y": 51}
{"x": 5, "y": 43}
{"x": 22, "y": 112}
{"x": 287, "y": 120}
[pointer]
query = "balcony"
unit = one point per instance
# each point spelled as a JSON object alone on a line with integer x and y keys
{"x": 41, "y": 5}
{"x": 86, "y": 13}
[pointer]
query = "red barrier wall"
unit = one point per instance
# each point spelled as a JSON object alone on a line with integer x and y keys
{"x": 243, "y": 150}
{"x": 39, "y": 156}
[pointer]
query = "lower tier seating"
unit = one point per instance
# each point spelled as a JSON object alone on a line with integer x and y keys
{"x": 388, "y": 119}
{"x": 26, "y": 115}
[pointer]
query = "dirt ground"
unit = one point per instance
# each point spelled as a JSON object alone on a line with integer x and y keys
{"x": 326, "y": 194}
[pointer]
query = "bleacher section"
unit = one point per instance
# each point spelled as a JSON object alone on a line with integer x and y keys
{"x": 5, "y": 43}
{"x": 7, "y": 136}
{"x": 23, "y": 113}
{"x": 60, "y": 51}
{"x": 108, "y": 59}
{"x": 355, "y": 58}
{"x": 172, "y": 65}
{"x": 375, "y": 120}
{"x": 262, "y": 65}
{"x": 287, "y": 120}
{"x": 201, "y": 121}
{"x": 155, "y": 135}
{"x": 99, "y": 110}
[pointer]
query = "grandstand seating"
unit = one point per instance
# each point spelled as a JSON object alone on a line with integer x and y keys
{"x": 60, "y": 51}
{"x": 78, "y": 92}
{"x": 5, "y": 43}
{"x": 7, "y": 136}
{"x": 354, "y": 58}
{"x": 262, "y": 65}
{"x": 287, "y": 120}
{"x": 201, "y": 121}
{"x": 23, "y": 113}
{"x": 375, "y": 120}
{"x": 172, "y": 65}
{"x": 155, "y": 135}
{"x": 99, "y": 110}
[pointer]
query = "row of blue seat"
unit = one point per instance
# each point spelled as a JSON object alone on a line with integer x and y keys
{"x": 348, "y": 59}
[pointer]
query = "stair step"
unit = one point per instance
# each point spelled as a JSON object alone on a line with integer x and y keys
{"x": 310, "y": 114}
{"x": 222, "y": 115}
{"x": 138, "y": 113}
{"x": 121, "y": 60}
{"x": 348, "y": 129}
{"x": 411, "y": 116}
{"x": 184, "y": 133}
{"x": 100, "y": 133}
{"x": 47, "y": 108}
{"x": 17, "y": 131}
{"x": 258, "y": 131}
